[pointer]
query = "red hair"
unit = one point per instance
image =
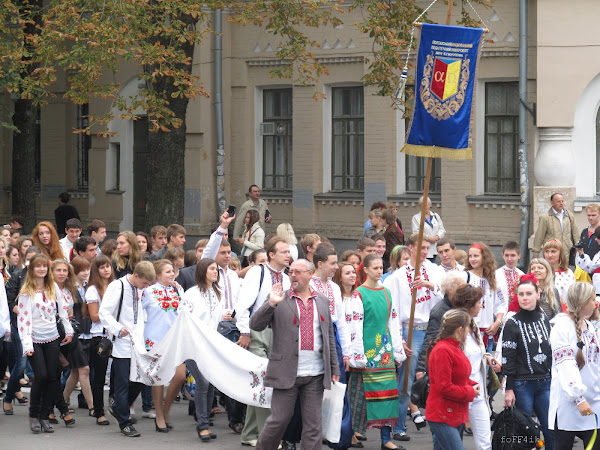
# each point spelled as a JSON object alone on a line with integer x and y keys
{"x": 53, "y": 250}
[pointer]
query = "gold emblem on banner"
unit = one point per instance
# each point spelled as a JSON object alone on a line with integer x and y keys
{"x": 442, "y": 110}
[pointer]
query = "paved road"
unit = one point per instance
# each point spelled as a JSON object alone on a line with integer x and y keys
{"x": 14, "y": 431}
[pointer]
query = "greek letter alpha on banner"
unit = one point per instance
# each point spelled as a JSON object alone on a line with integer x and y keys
{"x": 445, "y": 79}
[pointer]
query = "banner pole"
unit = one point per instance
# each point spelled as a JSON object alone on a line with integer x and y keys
{"x": 419, "y": 246}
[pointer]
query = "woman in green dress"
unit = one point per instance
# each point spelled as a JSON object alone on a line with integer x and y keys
{"x": 376, "y": 344}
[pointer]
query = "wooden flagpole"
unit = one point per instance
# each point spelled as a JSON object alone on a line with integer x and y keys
{"x": 419, "y": 246}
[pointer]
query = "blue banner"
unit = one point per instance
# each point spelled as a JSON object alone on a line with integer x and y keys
{"x": 445, "y": 78}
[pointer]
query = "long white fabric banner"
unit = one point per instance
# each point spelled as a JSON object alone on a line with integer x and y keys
{"x": 232, "y": 370}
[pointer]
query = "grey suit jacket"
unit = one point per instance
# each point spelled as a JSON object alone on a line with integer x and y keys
{"x": 283, "y": 356}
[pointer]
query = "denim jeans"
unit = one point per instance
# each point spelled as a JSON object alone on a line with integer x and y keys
{"x": 124, "y": 391}
{"x": 147, "y": 398}
{"x": 203, "y": 396}
{"x": 13, "y": 385}
{"x": 535, "y": 395}
{"x": 446, "y": 437}
{"x": 417, "y": 344}
{"x": 385, "y": 434}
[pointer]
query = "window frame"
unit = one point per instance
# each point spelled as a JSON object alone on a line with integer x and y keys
{"x": 500, "y": 117}
{"x": 281, "y": 122}
{"x": 346, "y": 119}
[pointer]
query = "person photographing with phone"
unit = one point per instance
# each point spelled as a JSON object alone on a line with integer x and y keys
{"x": 254, "y": 203}
{"x": 451, "y": 390}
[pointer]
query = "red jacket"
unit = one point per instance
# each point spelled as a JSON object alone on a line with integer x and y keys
{"x": 450, "y": 388}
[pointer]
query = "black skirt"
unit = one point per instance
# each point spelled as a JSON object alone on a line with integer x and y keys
{"x": 77, "y": 353}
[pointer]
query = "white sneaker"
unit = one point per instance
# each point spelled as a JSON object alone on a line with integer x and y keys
{"x": 132, "y": 411}
{"x": 149, "y": 415}
{"x": 251, "y": 442}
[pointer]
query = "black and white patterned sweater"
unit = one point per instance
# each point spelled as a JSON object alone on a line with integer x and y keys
{"x": 526, "y": 351}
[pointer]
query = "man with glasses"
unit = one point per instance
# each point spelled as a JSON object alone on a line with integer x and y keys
{"x": 303, "y": 361}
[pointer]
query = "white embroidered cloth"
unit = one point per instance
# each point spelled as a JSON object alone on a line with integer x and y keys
{"x": 232, "y": 370}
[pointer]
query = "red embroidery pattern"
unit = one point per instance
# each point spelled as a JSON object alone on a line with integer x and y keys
{"x": 511, "y": 278}
{"x": 307, "y": 336}
{"x": 275, "y": 276}
{"x": 328, "y": 292}
{"x": 166, "y": 301}
{"x": 421, "y": 297}
{"x": 562, "y": 354}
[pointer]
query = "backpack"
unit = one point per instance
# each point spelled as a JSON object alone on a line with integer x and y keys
{"x": 513, "y": 429}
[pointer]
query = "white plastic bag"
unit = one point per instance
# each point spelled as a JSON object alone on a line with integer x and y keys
{"x": 333, "y": 408}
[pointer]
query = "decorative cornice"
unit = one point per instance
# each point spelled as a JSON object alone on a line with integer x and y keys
{"x": 324, "y": 60}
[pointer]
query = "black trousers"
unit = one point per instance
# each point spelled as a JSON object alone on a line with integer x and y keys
{"x": 44, "y": 363}
{"x": 565, "y": 439}
{"x": 98, "y": 365}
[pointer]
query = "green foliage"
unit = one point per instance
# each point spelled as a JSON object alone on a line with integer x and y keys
{"x": 90, "y": 40}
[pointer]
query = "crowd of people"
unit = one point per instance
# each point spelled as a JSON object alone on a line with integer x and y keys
{"x": 69, "y": 306}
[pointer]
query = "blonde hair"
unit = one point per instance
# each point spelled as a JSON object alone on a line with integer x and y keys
{"x": 547, "y": 285}
{"x": 71, "y": 281}
{"x": 160, "y": 264}
{"x": 593, "y": 207}
{"x": 563, "y": 261}
{"x": 5, "y": 258}
{"x": 578, "y": 296}
{"x": 135, "y": 254}
{"x": 145, "y": 270}
{"x": 30, "y": 287}
{"x": 235, "y": 264}
{"x": 286, "y": 232}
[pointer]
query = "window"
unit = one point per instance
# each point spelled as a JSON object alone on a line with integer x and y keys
{"x": 277, "y": 145}
{"x": 348, "y": 126}
{"x": 415, "y": 166}
{"x": 84, "y": 142}
{"x": 501, "y": 138}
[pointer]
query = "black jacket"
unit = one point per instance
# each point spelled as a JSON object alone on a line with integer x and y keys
{"x": 433, "y": 328}
{"x": 522, "y": 362}
{"x": 590, "y": 247}
{"x": 62, "y": 214}
{"x": 13, "y": 287}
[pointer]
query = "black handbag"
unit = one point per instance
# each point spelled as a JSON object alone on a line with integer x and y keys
{"x": 59, "y": 325}
{"x": 229, "y": 330}
{"x": 513, "y": 429}
{"x": 420, "y": 391}
{"x": 105, "y": 345}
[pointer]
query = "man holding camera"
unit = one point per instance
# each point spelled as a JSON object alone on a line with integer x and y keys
{"x": 254, "y": 202}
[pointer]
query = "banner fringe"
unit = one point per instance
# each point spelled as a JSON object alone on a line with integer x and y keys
{"x": 427, "y": 151}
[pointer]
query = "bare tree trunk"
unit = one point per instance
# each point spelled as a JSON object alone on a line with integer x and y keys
{"x": 165, "y": 176}
{"x": 23, "y": 162}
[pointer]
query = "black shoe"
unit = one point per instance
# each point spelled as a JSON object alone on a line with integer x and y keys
{"x": 169, "y": 425}
{"x": 68, "y": 422}
{"x": 159, "y": 429}
{"x": 398, "y": 447}
{"x": 401, "y": 437}
{"x": 129, "y": 431}
{"x": 132, "y": 420}
{"x": 102, "y": 423}
{"x": 8, "y": 412}
{"x": 421, "y": 424}
{"x": 53, "y": 420}
{"x": 286, "y": 445}
{"x": 206, "y": 437}
{"x": 468, "y": 431}
{"x": 237, "y": 427}
{"x": 360, "y": 437}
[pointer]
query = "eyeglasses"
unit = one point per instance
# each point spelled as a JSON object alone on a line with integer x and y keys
{"x": 294, "y": 272}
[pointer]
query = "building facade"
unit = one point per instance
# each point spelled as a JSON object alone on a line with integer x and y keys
{"x": 321, "y": 163}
